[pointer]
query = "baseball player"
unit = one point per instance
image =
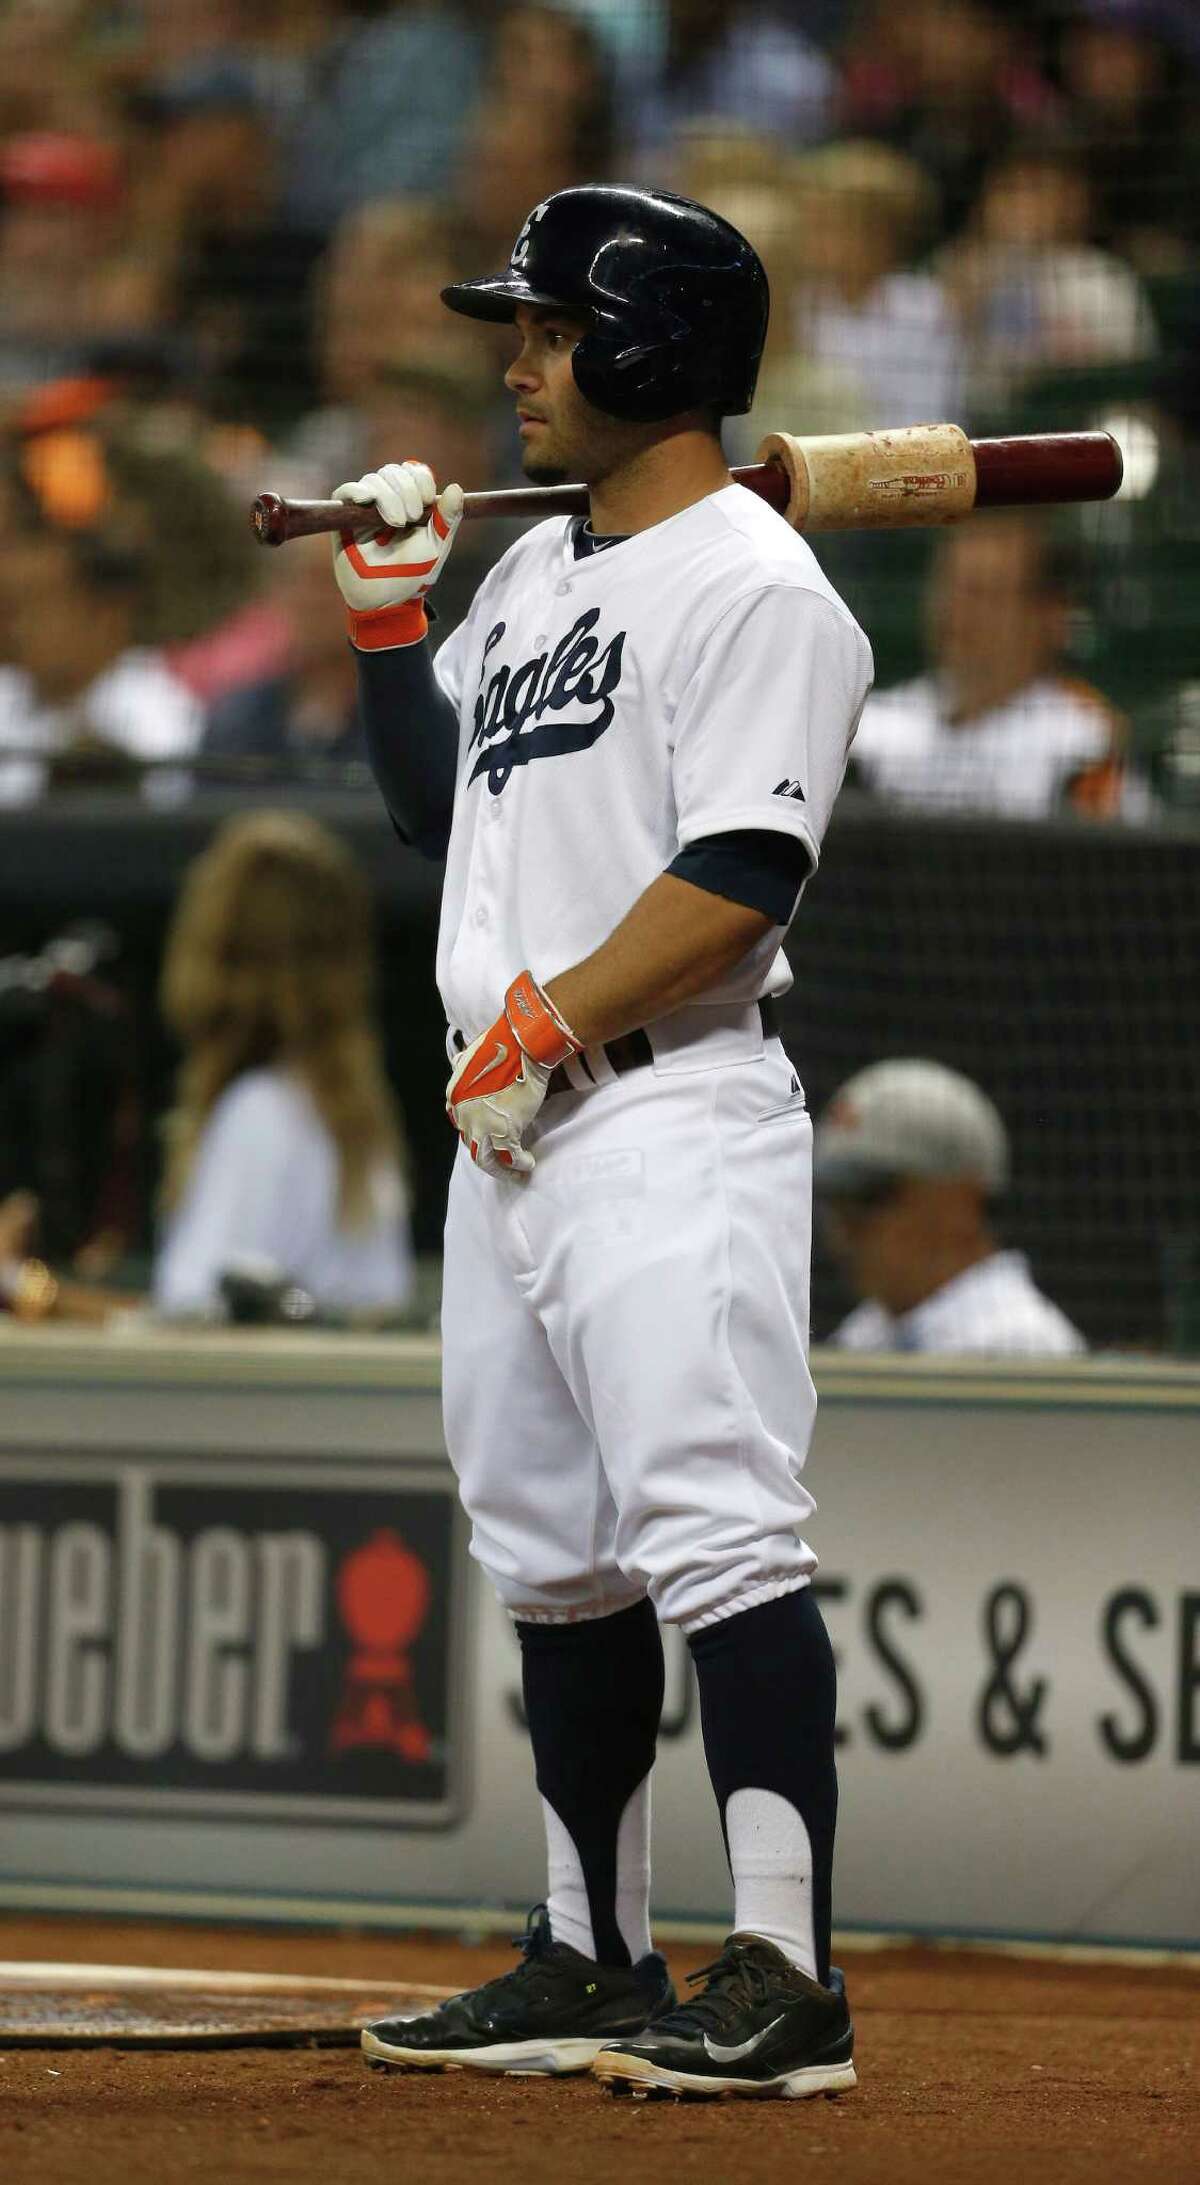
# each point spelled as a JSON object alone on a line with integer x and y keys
{"x": 627, "y": 755}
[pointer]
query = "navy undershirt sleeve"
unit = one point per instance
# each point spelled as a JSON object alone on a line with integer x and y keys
{"x": 411, "y": 732}
{"x": 757, "y": 866}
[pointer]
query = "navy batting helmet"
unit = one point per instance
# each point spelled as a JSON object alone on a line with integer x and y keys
{"x": 675, "y": 300}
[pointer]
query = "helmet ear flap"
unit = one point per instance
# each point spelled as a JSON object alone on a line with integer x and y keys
{"x": 630, "y": 383}
{"x": 649, "y": 356}
{"x": 624, "y": 370}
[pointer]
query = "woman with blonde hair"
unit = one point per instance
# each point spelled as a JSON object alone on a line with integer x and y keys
{"x": 284, "y": 1145}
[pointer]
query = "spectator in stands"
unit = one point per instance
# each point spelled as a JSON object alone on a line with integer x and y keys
{"x": 1131, "y": 69}
{"x": 235, "y": 277}
{"x": 378, "y": 312}
{"x": 949, "y": 82}
{"x": 744, "y": 176}
{"x": 995, "y": 726}
{"x": 70, "y": 1105}
{"x": 284, "y": 1150}
{"x": 118, "y": 620}
{"x": 53, "y": 73}
{"x": 201, "y": 561}
{"x": 1033, "y": 293}
{"x": 30, "y": 1290}
{"x": 45, "y": 79}
{"x": 543, "y": 121}
{"x": 855, "y": 338}
{"x": 304, "y": 718}
{"x": 71, "y": 270}
{"x": 908, "y": 1160}
{"x": 880, "y": 330}
{"x": 175, "y": 49}
{"x": 728, "y": 61}
{"x": 140, "y": 443}
{"x": 81, "y": 700}
{"x": 358, "y": 101}
{"x": 385, "y": 107}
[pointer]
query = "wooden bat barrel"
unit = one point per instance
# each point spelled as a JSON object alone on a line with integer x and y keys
{"x": 913, "y": 476}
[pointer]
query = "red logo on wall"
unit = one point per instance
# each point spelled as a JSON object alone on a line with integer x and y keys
{"x": 383, "y": 1596}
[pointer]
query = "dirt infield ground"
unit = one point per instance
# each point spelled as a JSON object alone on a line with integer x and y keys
{"x": 973, "y": 2069}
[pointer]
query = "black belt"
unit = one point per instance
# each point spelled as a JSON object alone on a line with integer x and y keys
{"x": 632, "y": 1051}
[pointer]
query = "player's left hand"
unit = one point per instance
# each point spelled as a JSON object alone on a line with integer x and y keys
{"x": 385, "y": 576}
{"x": 499, "y": 1082}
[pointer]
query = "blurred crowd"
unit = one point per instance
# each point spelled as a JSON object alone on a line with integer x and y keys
{"x": 223, "y": 229}
{"x": 224, "y": 225}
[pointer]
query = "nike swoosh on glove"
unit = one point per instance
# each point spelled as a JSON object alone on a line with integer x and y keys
{"x": 499, "y": 1082}
{"x": 384, "y": 577}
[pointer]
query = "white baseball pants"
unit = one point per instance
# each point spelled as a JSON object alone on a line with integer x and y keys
{"x": 627, "y": 1397}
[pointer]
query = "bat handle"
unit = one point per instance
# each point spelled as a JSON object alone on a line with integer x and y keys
{"x": 275, "y": 520}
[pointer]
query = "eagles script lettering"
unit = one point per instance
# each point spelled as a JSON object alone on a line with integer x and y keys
{"x": 513, "y": 705}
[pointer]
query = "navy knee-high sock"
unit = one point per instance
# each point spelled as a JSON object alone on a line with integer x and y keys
{"x": 593, "y": 1698}
{"x": 768, "y": 1691}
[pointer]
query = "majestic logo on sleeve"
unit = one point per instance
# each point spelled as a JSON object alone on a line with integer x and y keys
{"x": 519, "y": 712}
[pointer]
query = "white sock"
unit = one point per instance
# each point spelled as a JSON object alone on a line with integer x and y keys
{"x": 633, "y": 1872}
{"x": 567, "y": 1897}
{"x": 771, "y": 1860}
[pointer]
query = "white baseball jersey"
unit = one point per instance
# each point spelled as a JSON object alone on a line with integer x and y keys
{"x": 994, "y": 1309}
{"x": 636, "y": 1310}
{"x": 700, "y": 678}
{"x": 1018, "y": 759}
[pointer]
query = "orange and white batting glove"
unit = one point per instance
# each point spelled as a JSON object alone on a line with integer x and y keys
{"x": 499, "y": 1082}
{"x": 383, "y": 578}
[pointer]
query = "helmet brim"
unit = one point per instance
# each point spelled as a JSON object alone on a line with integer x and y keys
{"x": 498, "y": 297}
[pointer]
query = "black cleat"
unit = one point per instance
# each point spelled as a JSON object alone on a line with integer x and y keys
{"x": 552, "y": 2013}
{"x": 760, "y": 2027}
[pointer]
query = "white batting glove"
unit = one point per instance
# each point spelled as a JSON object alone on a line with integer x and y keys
{"x": 499, "y": 1082}
{"x": 382, "y": 578}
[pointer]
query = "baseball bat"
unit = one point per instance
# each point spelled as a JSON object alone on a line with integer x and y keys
{"x": 914, "y": 475}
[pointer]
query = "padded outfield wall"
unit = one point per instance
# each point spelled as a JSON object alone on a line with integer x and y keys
{"x": 247, "y": 1668}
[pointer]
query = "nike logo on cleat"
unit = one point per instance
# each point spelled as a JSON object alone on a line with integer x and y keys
{"x": 719, "y": 2055}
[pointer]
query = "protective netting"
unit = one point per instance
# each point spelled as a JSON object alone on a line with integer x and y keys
{"x": 1055, "y": 967}
{"x": 223, "y": 236}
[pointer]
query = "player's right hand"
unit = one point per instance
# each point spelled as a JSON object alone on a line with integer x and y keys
{"x": 384, "y": 578}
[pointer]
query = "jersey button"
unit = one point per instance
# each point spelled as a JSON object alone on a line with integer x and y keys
{"x": 481, "y": 917}
{"x": 562, "y": 589}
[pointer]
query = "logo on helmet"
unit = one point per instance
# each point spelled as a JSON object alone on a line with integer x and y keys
{"x": 520, "y": 249}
